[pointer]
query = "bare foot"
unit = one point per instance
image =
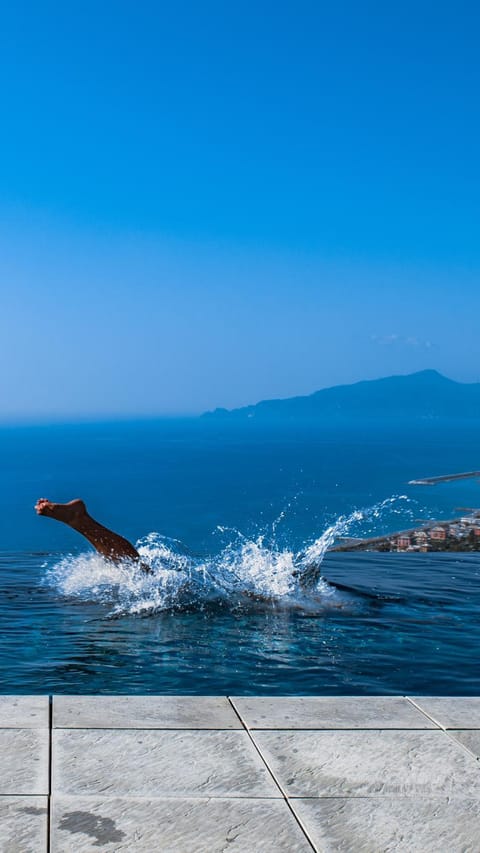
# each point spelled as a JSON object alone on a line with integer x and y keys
{"x": 106, "y": 542}
{"x": 68, "y": 513}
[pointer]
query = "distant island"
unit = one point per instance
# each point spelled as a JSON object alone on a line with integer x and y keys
{"x": 426, "y": 394}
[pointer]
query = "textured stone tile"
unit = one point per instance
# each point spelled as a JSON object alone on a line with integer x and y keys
{"x": 23, "y": 824}
{"x": 469, "y": 738}
{"x": 83, "y": 824}
{"x": 24, "y": 761}
{"x": 330, "y": 712}
{"x": 158, "y": 763}
{"x": 24, "y": 712}
{"x": 391, "y": 824}
{"x": 452, "y": 712}
{"x": 369, "y": 763}
{"x": 144, "y": 712}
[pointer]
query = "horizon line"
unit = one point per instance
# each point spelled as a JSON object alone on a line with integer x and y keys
{"x": 73, "y": 418}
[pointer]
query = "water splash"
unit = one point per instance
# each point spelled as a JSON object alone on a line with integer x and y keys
{"x": 246, "y": 572}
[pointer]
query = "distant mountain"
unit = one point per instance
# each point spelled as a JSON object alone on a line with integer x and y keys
{"x": 426, "y": 394}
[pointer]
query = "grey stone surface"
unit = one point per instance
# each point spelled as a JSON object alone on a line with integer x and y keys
{"x": 369, "y": 763}
{"x": 24, "y": 757}
{"x": 144, "y": 712}
{"x": 83, "y": 824}
{"x": 452, "y": 712}
{"x": 180, "y": 775}
{"x": 390, "y": 824}
{"x": 469, "y": 738}
{"x": 24, "y": 712}
{"x": 330, "y": 712}
{"x": 23, "y": 824}
{"x": 158, "y": 764}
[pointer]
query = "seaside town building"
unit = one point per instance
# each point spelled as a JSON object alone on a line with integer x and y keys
{"x": 438, "y": 533}
{"x": 420, "y": 537}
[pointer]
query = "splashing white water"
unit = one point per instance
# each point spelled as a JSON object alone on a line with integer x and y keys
{"x": 245, "y": 571}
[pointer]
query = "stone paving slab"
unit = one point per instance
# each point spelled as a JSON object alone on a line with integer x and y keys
{"x": 155, "y": 763}
{"x": 452, "y": 712}
{"x": 470, "y": 738}
{"x": 369, "y": 763}
{"x": 384, "y": 824}
{"x": 23, "y": 824}
{"x": 144, "y": 712}
{"x": 24, "y": 761}
{"x": 182, "y": 775}
{"x": 24, "y": 712}
{"x": 84, "y": 824}
{"x": 330, "y": 712}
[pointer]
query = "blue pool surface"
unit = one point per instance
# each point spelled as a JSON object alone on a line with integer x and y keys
{"x": 231, "y": 513}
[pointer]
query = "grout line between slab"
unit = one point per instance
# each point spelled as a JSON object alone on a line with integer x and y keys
{"x": 145, "y": 729}
{"x": 377, "y": 728}
{"x": 296, "y": 818}
{"x": 49, "y": 796}
{"x": 425, "y": 713}
{"x": 443, "y": 729}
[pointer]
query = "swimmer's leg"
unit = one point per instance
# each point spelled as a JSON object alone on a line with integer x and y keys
{"x": 105, "y": 541}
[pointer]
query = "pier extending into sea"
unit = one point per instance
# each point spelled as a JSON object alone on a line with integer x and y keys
{"x": 444, "y": 478}
{"x": 207, "y": 774}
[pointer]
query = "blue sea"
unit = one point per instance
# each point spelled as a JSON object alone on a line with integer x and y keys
{"x": 231, "y": 518}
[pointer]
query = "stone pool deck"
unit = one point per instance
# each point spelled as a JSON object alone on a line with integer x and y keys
{"x": 209, "y": 774}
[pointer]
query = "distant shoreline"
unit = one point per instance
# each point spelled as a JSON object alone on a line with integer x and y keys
{"x": 457, "y": 534}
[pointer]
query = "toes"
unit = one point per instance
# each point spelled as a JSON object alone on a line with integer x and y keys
{"x": 43, "y": 506}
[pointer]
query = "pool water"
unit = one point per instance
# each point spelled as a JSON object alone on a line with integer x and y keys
{"x": 412, "y": 626}
{"x": 230, "y": 519}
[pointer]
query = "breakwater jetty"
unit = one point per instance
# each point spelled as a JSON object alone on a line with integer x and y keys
{"x": 206, "y": 774}
{"x": 443, "y": 478}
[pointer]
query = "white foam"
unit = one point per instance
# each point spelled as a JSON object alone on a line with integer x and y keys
{"x": 245, "y": 570}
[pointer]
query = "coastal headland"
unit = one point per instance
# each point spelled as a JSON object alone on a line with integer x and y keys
{"x": 456, "y": 534}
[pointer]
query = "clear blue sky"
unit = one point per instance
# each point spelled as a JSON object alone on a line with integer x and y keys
{"x": 211, "y": 203}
